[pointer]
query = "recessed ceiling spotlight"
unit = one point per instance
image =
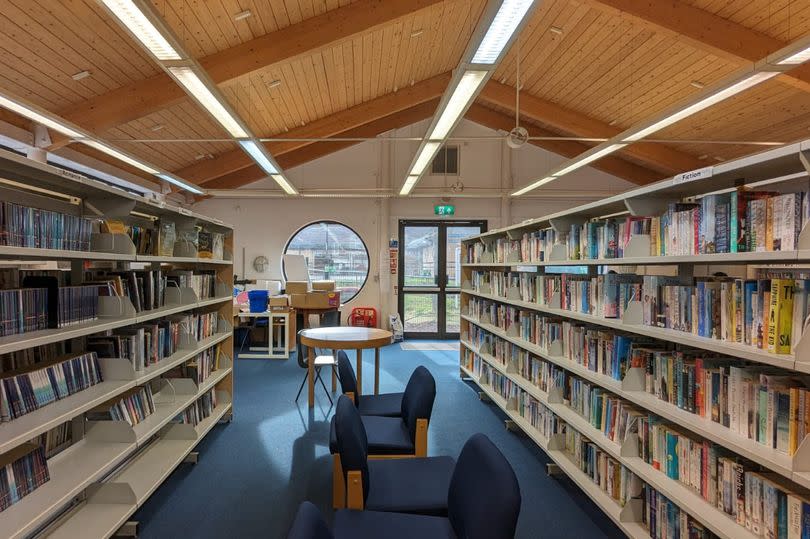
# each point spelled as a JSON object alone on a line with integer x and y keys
{"x": 158, "y": 127}
{"x": 417, "y": 33}
{"x": 719, "y": 159}
{"x": 80, "y": 75}
{"x": 613, "y": 122}
{"x": 697, "y": 84}
{"x": 274, "y": 83}
{"x": 242, "y": 15}
{"x": 702, "y": 157}
{"x": 200, "y": 157}
{"x": 556, "y": 30}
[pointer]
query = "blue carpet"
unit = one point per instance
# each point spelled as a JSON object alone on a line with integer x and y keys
{"x": 253, "y": 473}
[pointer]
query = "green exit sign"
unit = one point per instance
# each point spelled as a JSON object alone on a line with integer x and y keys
{"x": 444, "y": 209}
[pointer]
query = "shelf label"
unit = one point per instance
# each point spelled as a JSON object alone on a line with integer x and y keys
{"x": 70, "y": 174}
{"x": 525, "y": 269}
{"x": 693, "y": 175}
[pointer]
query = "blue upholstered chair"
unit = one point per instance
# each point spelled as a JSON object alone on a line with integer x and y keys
{"x": 402, "y": 436}
{"x": 483, "y": 503}
{"x": 415, "y": 485}
{"x": 387, "y": 404}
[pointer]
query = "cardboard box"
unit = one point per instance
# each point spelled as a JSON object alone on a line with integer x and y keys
{"x": 297, "y": 287}
{"x": 326, "y": 286}
{"x": 278, "y": 301}
{"x": 322, "y": 300}
{"x": 298, "y": 300}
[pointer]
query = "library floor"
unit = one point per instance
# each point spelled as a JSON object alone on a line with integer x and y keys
{"x": 253, "y": 472}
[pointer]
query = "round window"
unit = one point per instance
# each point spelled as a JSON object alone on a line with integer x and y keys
{"x": 333, "y": 252}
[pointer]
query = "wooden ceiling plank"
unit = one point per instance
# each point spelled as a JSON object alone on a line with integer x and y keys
{"x": 61, "y": 39}
{"x": 545, "y": 15}
{"x": 139, "y": 98}
{"x": 645, "y": 83}
{"x": 646, "y": 46}
{"x": 538, "y": 65}
{"x": 337, "y": 123}
{"x": 587, "y": 53}
{"x": 611, "y": 165}
{"x": 706, "y": 31}
{"x": 333, "y": 63}
{"x": 316, "y": 150}
{"x": 575, "y": 123}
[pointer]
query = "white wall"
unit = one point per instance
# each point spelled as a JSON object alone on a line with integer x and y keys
{"x": 263, "y": 226}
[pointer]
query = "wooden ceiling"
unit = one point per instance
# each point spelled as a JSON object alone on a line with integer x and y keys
{"x": 326, "y": 68}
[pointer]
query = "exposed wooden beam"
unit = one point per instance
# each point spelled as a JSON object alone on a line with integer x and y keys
{"x": 612, "y": 165}
{"x": 145, "y": 96}
{"x": 21, "y": 122}
{"x": 706, "y": 31}
{"x": 328, "y": 126}
{"x": 653, "y": 155}
{"x": 315, "y": 150}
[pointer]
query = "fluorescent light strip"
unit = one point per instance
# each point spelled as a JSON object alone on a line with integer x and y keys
{"x": 425, "y": 155}
{"x": 100, "y": 146}
{"x": 258, "y": 155}
{"x": 725, "y": 93}
{"x": 409, "y": 183}
{"x": 178, "y": 182}
{"x": 533, "y": 186}
{"x": 35, "y": 116}
{"x": 581, "y": 162}
{"x": 465, "y": 89}
{"x": 506, "y": 21}
{"x": 142, "y": 28}
{"x": 284, "y": 184}
{"x": 798, "y": 58}
{"x": 199, "y": 90}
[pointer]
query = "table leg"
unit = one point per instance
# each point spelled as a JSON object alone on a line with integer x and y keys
{"x": 311, "y": 376}
{"x": 334, "y": 372}
{"x": 359, "y": 371}
{"x": 376, "y": 371}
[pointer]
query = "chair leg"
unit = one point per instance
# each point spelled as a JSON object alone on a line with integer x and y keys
{"x": 318, "y": 378}
{"x": 302, "y": 386}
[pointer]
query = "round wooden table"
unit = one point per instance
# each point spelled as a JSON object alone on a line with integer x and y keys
{"x": 345, "y": 338}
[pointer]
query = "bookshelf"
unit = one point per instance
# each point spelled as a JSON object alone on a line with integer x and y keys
{"x": 500, "y": 355}
{"x": 110, "y": 468}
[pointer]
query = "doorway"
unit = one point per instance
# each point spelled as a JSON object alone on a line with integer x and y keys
{"x": 430, "y": 276}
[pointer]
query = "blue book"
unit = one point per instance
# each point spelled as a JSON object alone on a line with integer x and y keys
{"x": 701, "y": 299}
{"x": 805, "y": 520}
{"x": 749, "y": 289}
{"x": 672, "y": 455}
{"x": 781, "y": 514}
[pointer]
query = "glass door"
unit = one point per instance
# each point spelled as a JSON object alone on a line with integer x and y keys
{"x": 430, "y": 276}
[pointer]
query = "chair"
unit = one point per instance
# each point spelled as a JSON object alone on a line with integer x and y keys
{"x": 322, "y": 358}
{"x": 387, "y": 404}
{"x": 416, "y": 485}
{"x": 392, "y": 437}
{"x": 483, "y": 502}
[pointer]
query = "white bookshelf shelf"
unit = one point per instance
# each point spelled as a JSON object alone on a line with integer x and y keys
{"x": 714, "y": 519}
{"x": 70, "y": 472}
{"x": 154, "y": 465}
{"x": 21, "y": 341}
{"x": 24, "y": 428}
{"x": 769, "y": 257}
{"x": 785, "y": 361}
{"x": 715, "y": 432}
{"x": 779, "y": 169}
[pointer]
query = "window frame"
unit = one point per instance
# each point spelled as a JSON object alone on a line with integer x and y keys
{"x": 330, "y": 222}
{"x": 444, "y": 148}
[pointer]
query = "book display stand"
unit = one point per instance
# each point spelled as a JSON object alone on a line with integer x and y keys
{"x": 500, "y": 380}
{"x": 111, "y": 467}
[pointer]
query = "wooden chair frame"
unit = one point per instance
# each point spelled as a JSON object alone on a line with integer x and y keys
{"x": 341, "y": 489}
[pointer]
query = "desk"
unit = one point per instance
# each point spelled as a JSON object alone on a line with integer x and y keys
{"x": 274, "y": 349}
{"x": 306, "y": 312}
{"x": 345, "y": 338}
